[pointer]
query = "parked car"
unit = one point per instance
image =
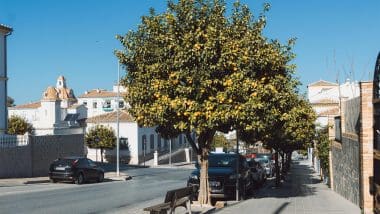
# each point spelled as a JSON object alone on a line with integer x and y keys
{"x": 258, "y": 172}
{"x": 267, "y": 165}
{"x": 75, "y": 169}
{"x": 222, "y": 176}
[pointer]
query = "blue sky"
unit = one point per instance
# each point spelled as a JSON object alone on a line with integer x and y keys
{"x": 76, "y": 38}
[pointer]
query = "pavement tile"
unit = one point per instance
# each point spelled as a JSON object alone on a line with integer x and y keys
{"x": 300, "y": 193}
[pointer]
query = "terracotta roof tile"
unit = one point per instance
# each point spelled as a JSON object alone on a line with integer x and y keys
{"x": 124, "y": 116}
{"x": 322, "y": 83}
{"x": 29, "y": 105}
{"x": 99, "y": 93}
{"x": 324, "y": 101}
{"x": 333, "y": 111}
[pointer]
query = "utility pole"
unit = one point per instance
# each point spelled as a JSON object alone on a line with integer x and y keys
{"x": 117, "y": 121}
{"x": 237, "y": 166}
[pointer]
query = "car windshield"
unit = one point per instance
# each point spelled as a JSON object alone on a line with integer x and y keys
{"x": 222, "y": 161}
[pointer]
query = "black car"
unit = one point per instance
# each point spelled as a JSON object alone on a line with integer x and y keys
{"x": 222, "y": 176}
{"x": 75, "y": 169}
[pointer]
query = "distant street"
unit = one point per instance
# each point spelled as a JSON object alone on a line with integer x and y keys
{"x": 148, "y": 186}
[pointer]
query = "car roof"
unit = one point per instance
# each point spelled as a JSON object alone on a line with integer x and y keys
{"x": 72, "y": 157}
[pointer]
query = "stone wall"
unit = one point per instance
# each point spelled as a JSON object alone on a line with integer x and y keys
{"x": 47, "y": 148}
{"x": 15, "y": 162}
{"x": 346, "y": 171}
{"x": 33, "y": 159}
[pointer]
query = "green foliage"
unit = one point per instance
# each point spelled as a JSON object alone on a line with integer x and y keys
{"x": 220, "y": 140}
{"x": 323, "y": 147}
{"x": 10, "y": 102}
{"x": 193, "y": 68}
{"x": 19, "y": 126}
{"x": 100, "y": 137}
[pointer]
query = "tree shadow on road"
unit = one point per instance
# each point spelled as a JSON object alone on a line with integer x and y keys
{"x": 300, "y": 181}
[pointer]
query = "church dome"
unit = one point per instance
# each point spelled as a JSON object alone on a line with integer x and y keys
{"x": 50, "y": 94}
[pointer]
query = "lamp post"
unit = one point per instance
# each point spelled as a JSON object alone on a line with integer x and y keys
{"x": 117, "y": 121}
{"x": 237, "y": 166}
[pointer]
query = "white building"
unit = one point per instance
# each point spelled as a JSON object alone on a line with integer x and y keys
{"x": 55, "y": 113}
{"x": 325, "y": 97}
{"x": 101, "y": 101}
{"x": 132, "y": 138}
{"x": 4, "y": 32}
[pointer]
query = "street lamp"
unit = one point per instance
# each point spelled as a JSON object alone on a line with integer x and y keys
{"x": 117, "y": 120}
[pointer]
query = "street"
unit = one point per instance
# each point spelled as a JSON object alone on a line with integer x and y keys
{"x": 147, "y": 187}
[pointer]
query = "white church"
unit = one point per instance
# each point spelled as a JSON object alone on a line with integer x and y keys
{"x": 56, "y": 112}
{"x": 60, "y": 112}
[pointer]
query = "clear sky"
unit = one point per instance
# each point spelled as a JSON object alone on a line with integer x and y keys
{"x": 76, "y": 38}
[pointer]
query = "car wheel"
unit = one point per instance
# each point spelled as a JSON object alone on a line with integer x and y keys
{"x": 80, "y": 179}
{"x": 52, "y": 180}
{"x": 101, "y": 177}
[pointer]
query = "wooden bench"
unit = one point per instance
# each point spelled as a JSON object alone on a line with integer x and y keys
{"x": 174, "y": 198}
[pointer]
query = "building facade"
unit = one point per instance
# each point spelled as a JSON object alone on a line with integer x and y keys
{"x": 55, "y": 113}
{"x": 101, "y": 101}
{"x": 4, "y": 32}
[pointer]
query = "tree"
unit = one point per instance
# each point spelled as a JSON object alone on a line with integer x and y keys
{"x": 18, "y": 126}
{"x": 220, "y": 140}
{"x": 10, "y": 102}
{"x": 101, "y": 137}
{"x": 194, "y": 69}
{"x": 323, "y": 148}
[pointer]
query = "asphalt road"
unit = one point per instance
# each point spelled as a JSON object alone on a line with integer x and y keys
{"x": 147, "y": 187}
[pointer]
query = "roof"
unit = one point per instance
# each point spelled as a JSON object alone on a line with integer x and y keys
{"x": 51, "y": 94}
{"x": 28, "y": 105}
{"x": 5, "y": 29}
{"x": 124, "y": 116}
{"x": 322, "y": 83}
{"x": 95, "y": 93}
{"x": 325, "y": 101}
{"x": 333, "y": 111}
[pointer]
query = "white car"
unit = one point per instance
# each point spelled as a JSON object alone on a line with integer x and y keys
{"x": 267, "y": 165}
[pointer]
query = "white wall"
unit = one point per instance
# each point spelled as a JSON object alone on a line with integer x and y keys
{"x": 91, "y": 111}
{"x": 30, "y": 115}
{"x": 126, "y": 130}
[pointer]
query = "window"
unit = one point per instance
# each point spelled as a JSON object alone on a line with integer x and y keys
{"x": 124, "y": 144}
{"x": 151, "y": 141}
{"x": 338, "y": 129}
{"x": 85, "y": 103}
{"x": 180, "y": 139}
{"x": 159, "y": 141}
{"x": 143, "y": 142}
{"x": 107, "y": 104}
{"x": 95, "y": 105}
{"x": 121, "y": 104}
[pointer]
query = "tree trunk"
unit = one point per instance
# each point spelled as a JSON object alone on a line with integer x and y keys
{"x": 277, "y": 168}
{"x": 204, "y": 188}
{"x": 283, "y": 168}
{"x": 101, "y": 154}
{"x": 289, "y": 159}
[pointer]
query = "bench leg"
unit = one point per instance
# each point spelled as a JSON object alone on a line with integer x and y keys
{"x": 188, "y": 205}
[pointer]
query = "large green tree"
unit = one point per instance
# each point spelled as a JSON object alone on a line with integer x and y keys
{"x": 193, "y": 68}
{"x": 19, "y": 126}
{"x": 101, "y": 137}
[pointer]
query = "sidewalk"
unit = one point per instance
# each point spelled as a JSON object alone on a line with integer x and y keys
{"x": 301, "y": 192}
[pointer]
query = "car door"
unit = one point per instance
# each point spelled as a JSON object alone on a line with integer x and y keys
{"x": 92, "y": 168}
